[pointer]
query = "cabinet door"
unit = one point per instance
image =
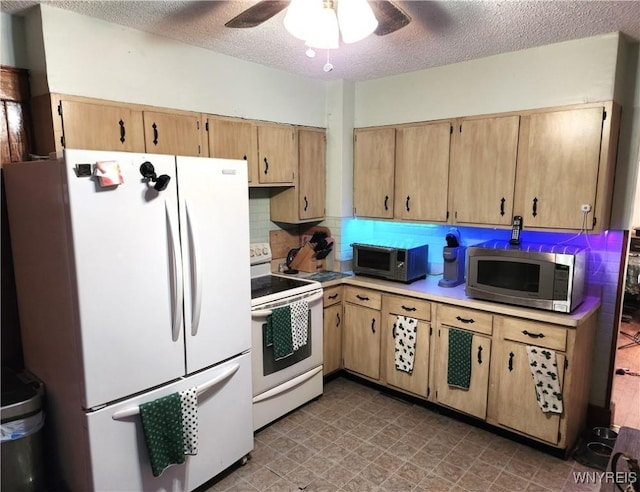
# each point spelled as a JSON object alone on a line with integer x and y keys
{"x": 417, "y": 381}
{"x": 517, "y": 407}
{"x": 277, "y": 153}
{"x": 175, "y": 134}
{"x": 483, "y": 170}
{"x": 96, "y": 127}
{"x": 229, "y": 139}
{"x": 422, "y": 172}
{"x": 472, "y": 401}
{"x": 362, "y": 340}
{"x": 373, "y": 170}
{"x": 311, "y": 174}
{"x": 332, "y": 338}
{"x": 558, "y": 167}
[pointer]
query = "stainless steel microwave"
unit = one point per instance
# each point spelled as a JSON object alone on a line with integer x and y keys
{"x": 392, "y": 263}
{"x": 544, "y": 276}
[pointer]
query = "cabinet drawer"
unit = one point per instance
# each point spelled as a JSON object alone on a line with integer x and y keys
{"x": 408, "y": 306}
{"x": 331, "y": 296}
{"x": 532, "y": 333}
{"x": 467, "y": 319}
{"x": 363, "y": 297}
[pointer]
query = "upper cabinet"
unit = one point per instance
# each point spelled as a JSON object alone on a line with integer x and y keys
{"x": 373, "y": 172}
{"x": 15, "y": 121}
{"x": 564, "y": 169}
{"x": 171, "y": 133}
{"x": 422, "y": 172}
{"x": 234, "y": 139}
{"x": 483, "y": 169}
{"x": 277, "y": 154}
{"x": 100, "y": 127}
{"x": 305, "y": 201}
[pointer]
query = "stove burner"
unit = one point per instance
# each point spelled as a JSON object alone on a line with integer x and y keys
{"x": 272, "y": 284}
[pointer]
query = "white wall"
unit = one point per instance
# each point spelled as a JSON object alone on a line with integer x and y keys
{"x": 12, "y": 47}
{"x": 93, "y": 58}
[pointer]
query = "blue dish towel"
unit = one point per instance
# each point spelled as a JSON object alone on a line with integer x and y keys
{"x": 162, "y": 427}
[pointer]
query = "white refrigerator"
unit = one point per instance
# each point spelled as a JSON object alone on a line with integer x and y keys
{"x": 128, "y": 292}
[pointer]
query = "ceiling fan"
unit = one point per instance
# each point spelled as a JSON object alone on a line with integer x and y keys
{"x": 390, "y": 17}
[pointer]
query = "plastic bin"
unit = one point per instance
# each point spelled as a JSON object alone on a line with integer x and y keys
{"x": 21, "y": 422}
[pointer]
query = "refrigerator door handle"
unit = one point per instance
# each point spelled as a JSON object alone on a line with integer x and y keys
{"x": 176, "y": 274}
{"x": 230, "y": 371}
{"x": 196, "y": 278}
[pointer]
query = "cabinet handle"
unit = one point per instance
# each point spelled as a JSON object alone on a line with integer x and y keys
{"x": 533, "y": 335}
{"x": 502, "y": 200}
{"x": 373, "y": 325}
{"x": 535, "y": 207}
{"x": 155, "y": 134}
{"x": 122, "y": 131}
{"x": 306, "y": 203}
{"x": 362, "y": 298}
{"x": 266, "y": 165}
{"x": 244, "y": 157}
{"x": 465, "y": 320}
{"x": 510, "y": 361}
{"x": 386, "y": 200}
{"x": 393, "y": 331}
{"x": 407, "y": 205}
{"x": 334, "y": 296}
{"x": 337, "y": 319}
{"x": 408, "y": 308}
{"x": 480, "y": 354}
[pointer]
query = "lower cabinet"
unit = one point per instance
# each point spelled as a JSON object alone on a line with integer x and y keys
{"x": 473, "y": 340}
{"x": 332, "y": 330}
{"x": 362, "y": 326}
{"x": 406, "y": 343}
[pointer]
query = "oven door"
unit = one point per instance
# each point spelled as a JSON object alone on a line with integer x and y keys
{"x": 269, "y": 372}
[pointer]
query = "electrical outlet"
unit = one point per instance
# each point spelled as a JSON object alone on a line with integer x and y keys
{"x": 585, "y": 207}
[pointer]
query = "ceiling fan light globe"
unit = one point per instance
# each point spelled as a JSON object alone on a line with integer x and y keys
{"x": 324, "y": 33}
{"x": 300, "y": 17}
{"x": 356, "y": 20}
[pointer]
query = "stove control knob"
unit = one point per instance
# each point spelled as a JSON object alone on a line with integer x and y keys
{"x": 251, "y": 253}
{"x": 258, "y": 252}
{"x": 265, "y": 251}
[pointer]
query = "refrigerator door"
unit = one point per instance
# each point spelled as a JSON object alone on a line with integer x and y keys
{"x": 128, "y": 268}
{"x": 214, "y": 217}
{"x": 119, "y": 456}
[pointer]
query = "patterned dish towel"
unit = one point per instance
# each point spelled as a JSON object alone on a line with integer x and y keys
{"x": 279, "y": 333}
{"x": 459, "y": 363}
{"x": 162, "y": 427}
{"x": 189, "y": 409}
{"x": 404, "y": 333}
{"x": 299, "y": 323}
{"x": 544, "y": 371}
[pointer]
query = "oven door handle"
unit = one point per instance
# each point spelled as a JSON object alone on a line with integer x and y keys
{"x": 292, "y": 383}
{"x": 263, "y": 313}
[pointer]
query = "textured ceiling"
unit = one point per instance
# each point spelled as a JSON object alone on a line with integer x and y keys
{"x": 440, "y": 33}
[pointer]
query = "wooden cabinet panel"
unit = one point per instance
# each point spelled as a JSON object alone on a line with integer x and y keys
{"x": 363, "y": 297}
{"x": 332, "y": 295}
{"x": 533, "y": 333}
{"x": 361, "y": 349}
{"x": 168, "y": 133}
{"x": 466, "y": 319}
{"x": 483, "y": 170}
{"x": 277, "y": 153}
{"x": 407, "y": 306}
{"x": 232, "y": 139}
{"x": 16, "y": 129}
{"x": 373, "y": 172}
{"x": 99, "y": 127}
{"x": 332, "y": 346}
{"x": 422, "y": 172}
{"x": 558, "y": 166}
{"x": 473, "y": 400}
{"x": 417, "y": 381}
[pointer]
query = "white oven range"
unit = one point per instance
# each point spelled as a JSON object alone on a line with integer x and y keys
{"x": 280, "y": 386}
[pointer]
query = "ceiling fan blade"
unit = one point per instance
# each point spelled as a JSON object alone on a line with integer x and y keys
{"x": 390, "y": 17}
{"x": 257, "y": 14}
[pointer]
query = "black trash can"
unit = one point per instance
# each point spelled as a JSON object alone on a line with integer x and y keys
{"x": 21, "y": 422}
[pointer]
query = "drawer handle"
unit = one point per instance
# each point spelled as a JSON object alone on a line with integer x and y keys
{"x": 155, "y": 134}
{"x": 306, "y": 204}
{"x": 510, "y": 361}
{"x": 480, "y": 354}
{"x": 122, "y": 131}
{"x": 334, "y": 296}
{"x": 533, "y": 335}
{"x": 465, "y": 320}
{"x": 362, "y": 298}
{"x": 408, "y": 308}
{"x": 386, "y": 201}
{"x": 338, "y": 319}
{"x": 373, "y": 325}
{"x": 502, "y": 200}
{"x": 407, "y": 204}
{"x": 393, "y": 331}
{"x": 266, "y": 165}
